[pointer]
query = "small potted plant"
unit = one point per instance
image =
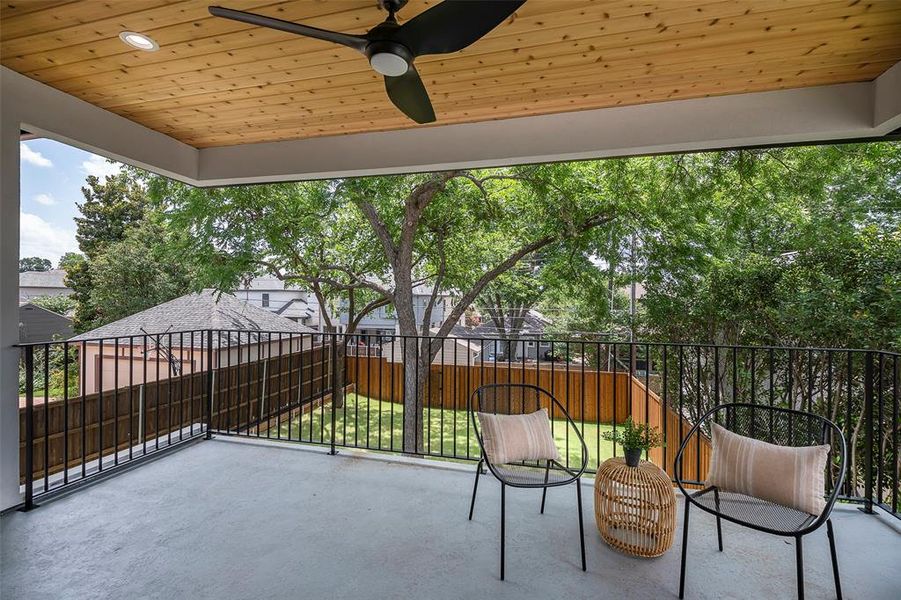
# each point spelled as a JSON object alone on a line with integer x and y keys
{"x": 635, "y": 439}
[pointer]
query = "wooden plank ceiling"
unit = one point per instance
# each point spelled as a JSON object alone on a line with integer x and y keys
{"x": 216, "y": 82}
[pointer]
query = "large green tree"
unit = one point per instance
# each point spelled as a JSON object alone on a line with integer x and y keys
{"x": 111, "y": 207}
{"x": 384, "y": 236}
{"x": 795, "y": 246}
{"x": 298, "y": 232}
{"x": 141, "y": 270}
{"x": 67, "y": 259}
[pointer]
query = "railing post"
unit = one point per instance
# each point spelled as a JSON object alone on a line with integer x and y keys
{"x": 335, "y": 384}
{"x": 29, "y": 427}
{"x": 868, "y": 431}
{"x": 209, "y": 384}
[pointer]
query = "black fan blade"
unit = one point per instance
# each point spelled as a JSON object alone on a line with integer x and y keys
{"x": 408, "y": 93}
{"x": 351, "y": 41}
{"x": 453, "y": 25}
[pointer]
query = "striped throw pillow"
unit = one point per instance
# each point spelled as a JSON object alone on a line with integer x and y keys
{"x": 785, "y": 475}
{"x": 513, "y": 438}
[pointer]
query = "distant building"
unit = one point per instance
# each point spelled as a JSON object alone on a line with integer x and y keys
{"x": 274, "y": 295}
{"x": 42, "y": 283}
{"x": 529, "y": 345}
{"x": 383, "y": 321}
{"x": 37, "y": 324}
{"x": 458, "y": 352}
{"x": 157, "y": 343}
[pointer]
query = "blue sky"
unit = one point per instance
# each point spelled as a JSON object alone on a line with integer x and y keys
{"x": 51, "y": 181}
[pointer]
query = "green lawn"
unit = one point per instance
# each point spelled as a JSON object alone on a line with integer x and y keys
{"x": 370, "y": 423}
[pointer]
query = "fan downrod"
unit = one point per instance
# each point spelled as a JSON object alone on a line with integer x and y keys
{"x": 392, "y": 6}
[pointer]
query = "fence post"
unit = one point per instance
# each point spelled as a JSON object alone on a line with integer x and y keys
{"x": 29, "y": 427}
{"x": 332, "y": 449}
{"x": 209, "y": 384}
{"x": 868, "y": 431}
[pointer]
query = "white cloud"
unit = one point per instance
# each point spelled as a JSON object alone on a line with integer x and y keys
{"x": 40, "y": 238}
{"x": 45, "y": 199}
{"x": 34, "y": 157}
{"x": 100, "y": 167}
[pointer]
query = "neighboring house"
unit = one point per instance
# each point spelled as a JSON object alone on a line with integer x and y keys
{"x": 458, "y": 352}
{"x": 530, "y": 344}
{"x": 42, "y": 283}
{"x": 155, "y": 337}
{"x": 444, "y": 304}
{"x": 301, "y": 306}
{"x": 380, "y": 322}
{"x": 383, "y": 321}
{"x": 37, "y": 324}
{"x": 276, "y": 296}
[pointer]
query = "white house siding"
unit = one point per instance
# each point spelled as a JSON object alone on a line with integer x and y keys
{"x": 382, "y": 321}
{"x": 528, "y": 349}
{"x": 303, "y": 306}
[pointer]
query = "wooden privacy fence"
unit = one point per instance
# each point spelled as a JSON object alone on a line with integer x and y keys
{"x": 647, "y": 407}
{"x": 250, "y": 395}
{"x": 68, "y": 432}
{"x": 587, "y": 394}
{"x": 245, "y": 397}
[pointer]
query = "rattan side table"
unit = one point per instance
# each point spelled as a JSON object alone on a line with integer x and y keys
{"x": 635, "y": 507}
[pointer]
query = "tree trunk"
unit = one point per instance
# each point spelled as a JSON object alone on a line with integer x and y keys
{"x": 340, "y": 367}
{"x": 416, "y": 372}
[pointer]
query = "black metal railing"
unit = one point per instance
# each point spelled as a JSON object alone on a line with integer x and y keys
{"x": 91, "y": 405}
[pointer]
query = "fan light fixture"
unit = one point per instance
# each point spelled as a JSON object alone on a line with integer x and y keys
{"x": 389, "y": 64}
{"x": 139, "y": 41}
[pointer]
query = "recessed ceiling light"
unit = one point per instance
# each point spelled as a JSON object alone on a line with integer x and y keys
{"x": 139, "y": 41}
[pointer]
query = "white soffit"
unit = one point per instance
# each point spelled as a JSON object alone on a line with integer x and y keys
{"x": 845, "y": 111}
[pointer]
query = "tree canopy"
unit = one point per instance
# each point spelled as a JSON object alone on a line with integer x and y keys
{"x": 792, "y": 246}
{"x": 129, "y": 261}
{"x": 34, "y": 263}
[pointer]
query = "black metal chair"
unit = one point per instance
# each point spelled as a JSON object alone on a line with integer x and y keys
{"x": 515, "y": 399}
{"x": 777, "y": 426}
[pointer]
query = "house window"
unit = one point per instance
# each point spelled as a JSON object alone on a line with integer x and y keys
{"x": 265, "y": 300}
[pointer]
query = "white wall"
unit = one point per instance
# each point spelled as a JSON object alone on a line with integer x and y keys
{"x": 277, "y": 298}
{"x": 9, "y": 306}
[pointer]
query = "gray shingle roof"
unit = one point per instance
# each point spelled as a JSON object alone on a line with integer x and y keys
{"x": 533, "y": 325}
{"x": 295, "y": 308}
{"x": 44, "y": 279}
{"x": 200, "y": 311}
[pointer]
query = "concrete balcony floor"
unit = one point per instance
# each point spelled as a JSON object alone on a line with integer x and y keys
{"x": 230, "y": 519}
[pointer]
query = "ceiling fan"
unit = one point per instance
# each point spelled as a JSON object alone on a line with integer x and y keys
{"x": 391, "y": 48}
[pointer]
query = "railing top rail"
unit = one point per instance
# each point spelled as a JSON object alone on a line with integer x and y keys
{"x": 471, "y": 339}
{"x": 165, "y": 335}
